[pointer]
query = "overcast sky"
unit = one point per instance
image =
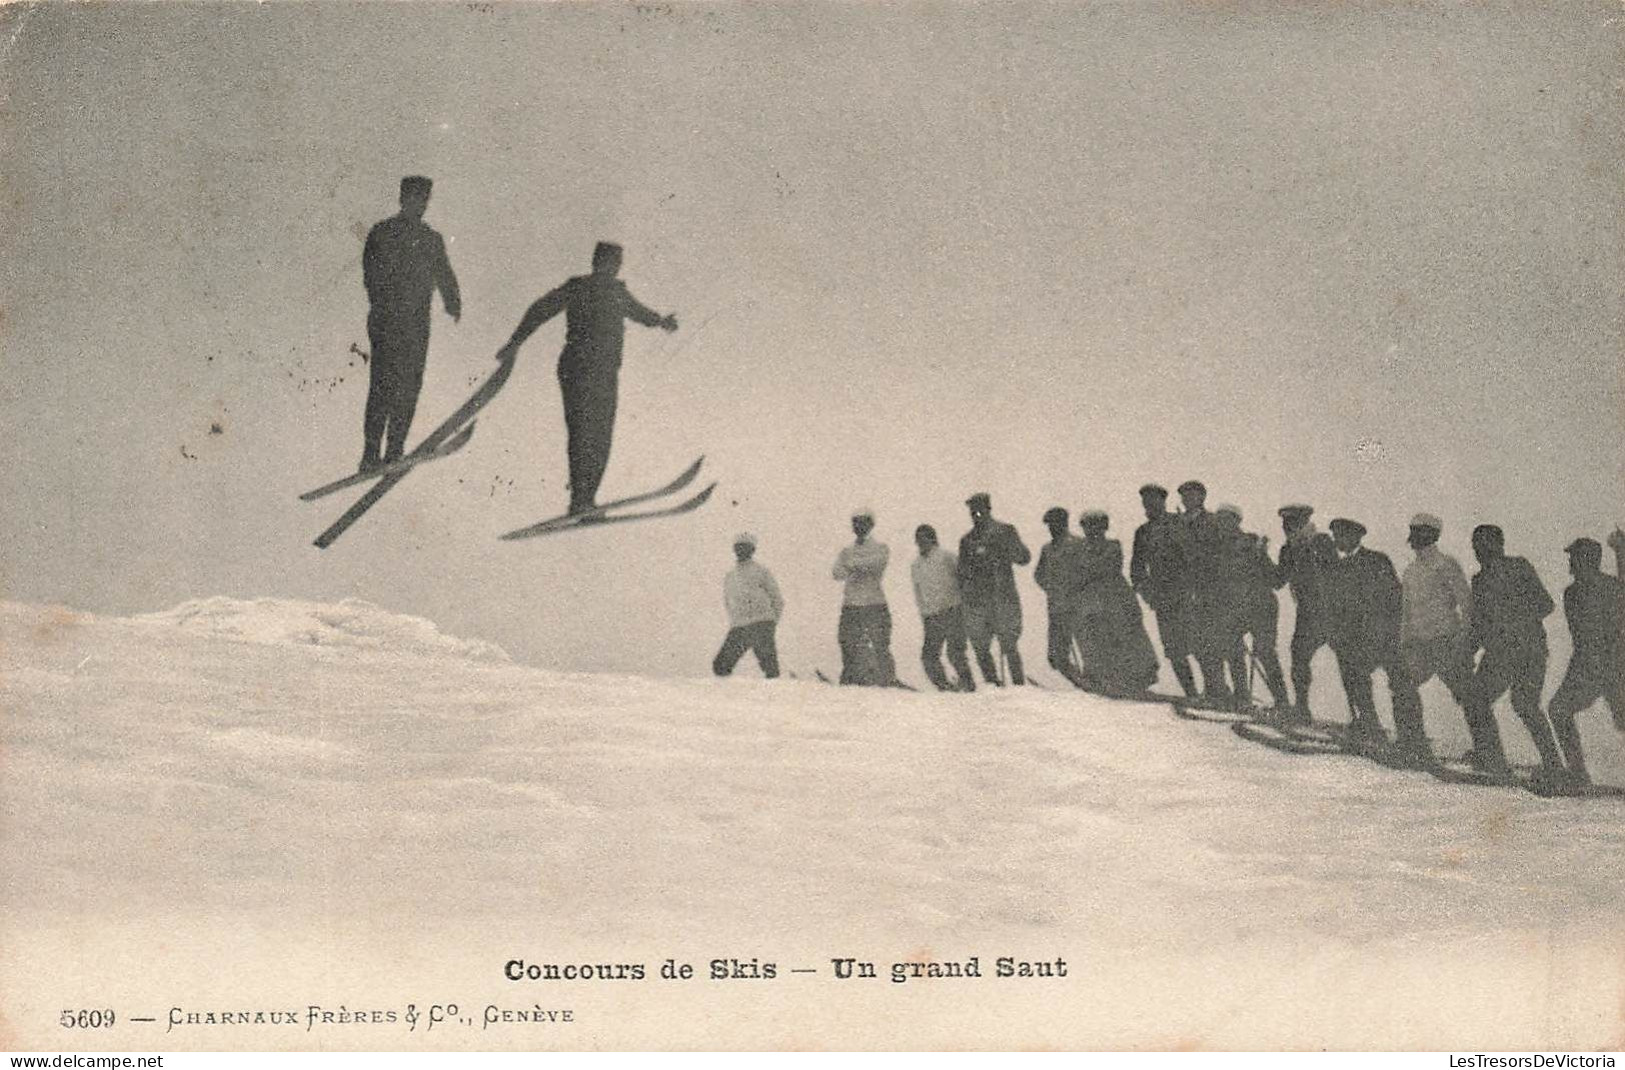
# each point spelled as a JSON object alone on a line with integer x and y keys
{"x": 1365, "y": 257}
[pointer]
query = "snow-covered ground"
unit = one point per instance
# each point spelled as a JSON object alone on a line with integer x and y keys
{"x": 242, "y": 805}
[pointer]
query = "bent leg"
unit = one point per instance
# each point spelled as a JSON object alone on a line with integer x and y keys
{"x": 733, "y": 648}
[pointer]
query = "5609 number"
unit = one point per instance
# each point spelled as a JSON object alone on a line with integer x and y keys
{"x": 87, "y": 1019}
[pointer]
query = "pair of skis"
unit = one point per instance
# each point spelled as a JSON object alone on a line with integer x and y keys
{"x": 453, "y": 434}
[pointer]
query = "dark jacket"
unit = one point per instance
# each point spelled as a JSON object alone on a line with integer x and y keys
{"x": 1157, "y": 569}
{"x": 1246, "y": 581}
{"x": 1060, "y": 573}
{"x": 596, "y": 308}
{"x": 1104, "y": 588}
{"x": 1362, "y": 603}
{"x": 402, "y": 264}
{"x": 986, "y": 560}
{"x": 1303, "y": 563}
{"x": 1509, "y": 603}
{"x": 1595, "y": 608}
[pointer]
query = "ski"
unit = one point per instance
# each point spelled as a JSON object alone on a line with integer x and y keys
{"x": 601, "y": 519}
{"x": 570, "y": 520}
{"x": 452, "y": 445}
{"x": 436, "y": 439}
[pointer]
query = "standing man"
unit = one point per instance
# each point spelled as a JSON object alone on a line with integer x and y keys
{"x": 1509, "y": 604}
{"x": 936, "y": 591}
{"x": 1595, "y": 607}
{"x": 1248, "y": 584}
{"x": 1435, "y": 606}
{"x": 988, "y": 553}
{"x": 596, "y": 309}
{"x": 1363, "y": 606}
{"x": 754, "y": 605}
{"x": 1060, "y": 575}
{"x": 1157, "y": 573}
{"x": 1305, "y": 556}
{"x": 402, "y": 264}
{"x": 1204, "y": 540}
{"x": 865, "y": 628}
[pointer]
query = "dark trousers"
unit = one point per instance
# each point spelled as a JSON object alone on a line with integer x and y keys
{"x": 589, "y": 420}
{"x": 400, "y": 350}
{"x": 1063, "y": 636}
{"x": 1582, "y": 685}
{"x": 758, "y": 638}
{"x": 1356, "y": 664}
{"x": 946, "y": 630}
{"x": 865, "y": 637}
{"x": 1307, "y": 639}
{"x": 1521, "y": 670}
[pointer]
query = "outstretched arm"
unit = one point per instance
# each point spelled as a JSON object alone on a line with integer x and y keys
{"x": 638, "y": 312}
{"x": 1616, "y": 541}
{"x": 541, "y": 310}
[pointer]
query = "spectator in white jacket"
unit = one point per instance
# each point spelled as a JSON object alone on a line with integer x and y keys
{"x": 1435, "y": 608}
{"x": 865, "y": 629}
{"x": 936, "y": 591}
{"x": 754, "y": 606}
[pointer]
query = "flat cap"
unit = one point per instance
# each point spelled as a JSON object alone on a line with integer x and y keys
{"x": 1427, "y": 520}
{"x": 1153, "y": 490}
{"x": 1193, "y": 485}
{"x": 1091, "y": 518}
{"x": 1343, "y": 523}
{"x": 1584, "y": 545}
{"x": 1300, "y": 511}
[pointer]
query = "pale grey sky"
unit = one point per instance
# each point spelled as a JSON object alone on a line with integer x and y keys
{"x": 1368, "y": 257}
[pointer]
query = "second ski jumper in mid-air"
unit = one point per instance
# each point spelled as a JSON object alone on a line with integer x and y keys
{"x": 596, "y": 309}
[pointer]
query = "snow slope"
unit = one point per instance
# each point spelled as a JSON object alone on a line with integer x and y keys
{"x": 259, "y": 804}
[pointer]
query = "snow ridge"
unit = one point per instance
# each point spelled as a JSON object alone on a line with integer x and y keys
{"x": 352, "y": 623}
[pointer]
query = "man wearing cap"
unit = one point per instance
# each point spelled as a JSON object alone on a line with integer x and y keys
{"x": 988, "y": 553}
{"x": 402, "y": 264}
{"x": 1595, "y": 607}
{"x": 1060, "y": 574}
{"x": 596, "y": 309}
{"x": 936, "y": 591}
{"x": 754, "y": 605}
{"x": 1305, "y": 557}
{"x": 1363, "y": 606}
{"x": 865, "y": 628}
{"x": 1247, "y": 585}
{"x": 1509, "y": 604}
{"x": 1436, "y": 604}
{"x": 1204, "y": 541}
{"x": 1157, "y": 573}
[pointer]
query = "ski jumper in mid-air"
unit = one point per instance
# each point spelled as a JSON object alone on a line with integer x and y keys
{"x": 596, "y": 309}
{"x": 403, "y": 263}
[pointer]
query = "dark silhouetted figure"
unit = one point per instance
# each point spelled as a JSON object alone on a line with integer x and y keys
{"x": 1509, "y": 604}
{"x": 988, "y": 553}
{"x": 754, "y": 605}
{"x": 1113, "y": 648}
{"x": 1157, "y": 572}
{"x": 1595, "y": 607}
{"x": 1247, "y": 583}
{"x": 596, "y": 309}
{"x": 1305, "y": 557}
{"x": 936, "y": 591}
{"x": 1061, "y": 576}
{"x": 1204, "y": 539}
{"x": 1363, "y": 603}
{"x": 864, "y": 632}
{"x": 403, "y": 263}
{"x": 1435, "y": 609}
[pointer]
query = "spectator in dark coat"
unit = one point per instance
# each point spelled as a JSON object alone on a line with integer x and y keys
{"x": 1594, "y": 605}
{"x": 1060, "y": 575}
{"x": 1509, "y": 604}
{"x": 1204, "y": 539}
{"x": 1113, "y": 648}
{"x": 1247, "y": 583}
{"x": 1157, "y": 572}
{"x": 1305, "y": 557}
{"x": 1363, "y": 598}
{"x": 988, "y": 553}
